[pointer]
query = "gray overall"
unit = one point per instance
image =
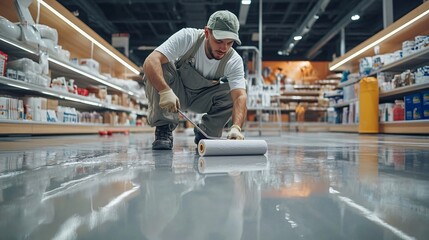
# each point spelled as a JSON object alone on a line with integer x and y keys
{"x": 195, "y": 92}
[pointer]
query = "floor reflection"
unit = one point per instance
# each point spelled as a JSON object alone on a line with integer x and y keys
{"x": 308, "y": 186}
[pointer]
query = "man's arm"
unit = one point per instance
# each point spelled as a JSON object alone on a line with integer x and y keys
{"x": 239, "y": 109}
{"x": 152, "y": 68}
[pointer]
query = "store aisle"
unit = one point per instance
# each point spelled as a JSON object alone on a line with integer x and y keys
{"x": 308, "y": 186}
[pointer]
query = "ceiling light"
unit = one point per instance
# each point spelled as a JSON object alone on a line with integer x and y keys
{"x": 297, "y": 38}
{"x": 355, "y": 17}
{"x": 246, "y": 2}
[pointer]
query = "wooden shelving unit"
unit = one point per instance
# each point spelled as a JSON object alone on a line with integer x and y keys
{"x": 87, "y": 45}
{"x": 66, "y": 99}
{"x": 8, "y": 128}
{"x": 390, "y": 40}
{"x": 409, "y": 29}
{"x": 78, "y": 45}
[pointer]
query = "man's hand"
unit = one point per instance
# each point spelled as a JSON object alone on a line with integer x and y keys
{"x": 168, "y": 100}
{"x": 235, "y": 133}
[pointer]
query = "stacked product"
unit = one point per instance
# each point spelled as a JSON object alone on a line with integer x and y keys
{"x": 25, "y": 69}
{"x": 388, "y": 81}
{"x": 11, "y": 108}
{"x": 417, "y": 106}
{"x": 370, "y": 64}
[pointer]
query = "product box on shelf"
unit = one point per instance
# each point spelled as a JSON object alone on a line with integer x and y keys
{"x": 422, "y": 75}
{"x": 425, "y": 104}
{"x": 51, "y": 104}
{"x": 413, "y": 106}
{"x": 91, "y": 64}
{"x": 4, "y": 108}
{"x": 124, "y": 99}
{"x": 110, "y": 118}
{"x": 386, "y": 112}
{"x": 3, "y": 60}
{"x": 123, "y": 118}
{"x": 100, "y": 91}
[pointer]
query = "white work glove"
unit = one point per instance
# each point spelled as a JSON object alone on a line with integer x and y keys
{"x": 235, "y": 133}
{"x": 168, "y": 100}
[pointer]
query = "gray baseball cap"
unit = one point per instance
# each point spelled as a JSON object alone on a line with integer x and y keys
{"x": 224, "y": 25}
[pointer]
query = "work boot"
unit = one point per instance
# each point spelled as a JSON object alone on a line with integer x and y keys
{"x": 163, "y": 137}
{"x": 198, "y": 135}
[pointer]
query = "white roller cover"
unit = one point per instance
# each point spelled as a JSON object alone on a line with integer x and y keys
{"x": 208, "y": 147}
{"x": 232, "y": 164}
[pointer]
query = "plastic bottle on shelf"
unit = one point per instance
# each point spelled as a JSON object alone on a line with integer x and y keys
{"x": 398, "y": 111}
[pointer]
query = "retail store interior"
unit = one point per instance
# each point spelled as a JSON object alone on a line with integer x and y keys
{"x": 338, "y": 90}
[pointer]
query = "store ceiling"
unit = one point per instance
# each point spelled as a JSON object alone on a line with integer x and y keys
{"x": 150, "y": 22}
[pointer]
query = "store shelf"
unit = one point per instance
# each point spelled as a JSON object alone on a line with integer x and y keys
{"x": 263, "y": 108}
{"x": 397, "y": 127}
{"x": 68, "y": 99}
{"x": 412, "y": 61}
{"x": 300, "y": 93}
{"x": 350, "y": 128}
{"x": 82, "y": 77}
{"x": 40, "y": 128}
{"x": 405, "y": 127}
{"x": 403, "y": 90}
{"x": 388, "y": 40}
{"x": 305, "y": 86}
{"x": 344, "y": 104}
{"x": 348, "y": 82}
{"x": 298, "y": 98}
{"x": 308, "y": 126}
{"x": 333, "y": 95}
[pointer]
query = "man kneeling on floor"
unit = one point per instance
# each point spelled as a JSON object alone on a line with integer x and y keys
{"x": 197, "y": 70}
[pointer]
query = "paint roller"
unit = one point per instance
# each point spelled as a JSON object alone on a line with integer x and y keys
{"x": 214, "y": 146}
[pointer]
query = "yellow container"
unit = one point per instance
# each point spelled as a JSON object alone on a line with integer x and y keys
{"x": 368, "y": 105}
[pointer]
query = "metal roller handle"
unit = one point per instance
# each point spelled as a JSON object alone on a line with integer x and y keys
{"x": 196, "y": 126}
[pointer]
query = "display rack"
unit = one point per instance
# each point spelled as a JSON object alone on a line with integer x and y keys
{"x": 62, "y": 68}
{"x": 11, "y": 128}
{"x": 389, "y": 40}
{"x": 82, "y": 42}
{"x": 66, "y": 99}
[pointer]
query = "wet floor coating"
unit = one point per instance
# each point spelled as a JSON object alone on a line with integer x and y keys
{"x": 308, "y": 186}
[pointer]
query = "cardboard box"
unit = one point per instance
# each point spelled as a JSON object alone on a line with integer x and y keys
{"x": 425, "y": 112}
{"x": 110, "y": 118}
{"x": 413, "y": 106}
{"x": 124, "y": 100}
{"x": 115, "y": 99}
{"x": 425, "y": 98}
{"x": 51, "y": 104}
{"x": 123, "y": 117}
{"x": 4, "y": 107}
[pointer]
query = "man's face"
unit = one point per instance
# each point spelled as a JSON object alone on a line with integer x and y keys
{"x": 216, "y": 48}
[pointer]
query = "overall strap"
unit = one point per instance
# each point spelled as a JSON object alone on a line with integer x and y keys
{"x": 191, "y": 52}
{"x": 221, "y": 68}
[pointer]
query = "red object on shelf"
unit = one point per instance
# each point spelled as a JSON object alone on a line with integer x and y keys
{"x": 3, "y": 60}
{"x": 398, "y": 111}
{"x": 110, "y": 132}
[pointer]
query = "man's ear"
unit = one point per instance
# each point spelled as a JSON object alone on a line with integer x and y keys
{"x": 206, "y": 32}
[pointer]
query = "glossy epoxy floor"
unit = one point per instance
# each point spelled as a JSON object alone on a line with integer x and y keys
{"x": 308, "y": 186}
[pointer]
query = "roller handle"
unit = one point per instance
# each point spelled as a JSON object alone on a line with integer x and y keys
{"x": 196, "y": 126}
